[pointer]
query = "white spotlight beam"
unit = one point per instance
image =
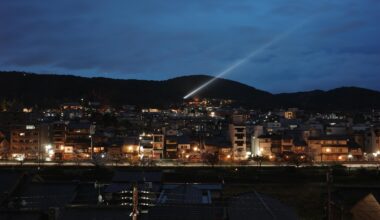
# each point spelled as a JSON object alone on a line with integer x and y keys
{"x": 248, "y": 57}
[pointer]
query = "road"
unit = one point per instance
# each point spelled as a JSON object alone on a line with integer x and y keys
{"x": 172, "y": 164}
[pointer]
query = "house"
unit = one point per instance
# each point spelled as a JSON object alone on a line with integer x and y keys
{"x": 25, "y": 142}
{"x": 336, "y": 129}
{"x": 79, "y": 139}
{"x": 146, "y": 145}
{"x": 330, "y": 148}
{"x": 276, "y": 145}
{"x": 158, "y": 146}
{"x": 264, "y": 145}
{"x": 299, "y": 146}
{"x": 58, "y": 138}
{"x": 274, "y": 127}
{"x": 356, "y": 202}
{"x": 58, "y": 134}
{"x": 367, "y": 208}
{"x": 72, "y": 110}
{"x": 112, "y": 148}
{"x": 184, "y": 147}
{"x": 171, "y": 146}
{"x": 219, "y": 145}
{"x": 130, "y": 148}
{"x": 287, "y": 144}
{"x": 373, "y": 140}
{"x": 152, "y": 145}
{"x": 4, "y": 146}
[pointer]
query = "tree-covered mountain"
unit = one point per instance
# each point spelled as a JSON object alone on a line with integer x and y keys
{"x": 344, "y": 98}
{"x": 49, "y": 90}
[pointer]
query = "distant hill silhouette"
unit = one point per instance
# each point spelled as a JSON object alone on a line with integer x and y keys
{"x": 344, "y": 98}
{"x": 50, "y": 90}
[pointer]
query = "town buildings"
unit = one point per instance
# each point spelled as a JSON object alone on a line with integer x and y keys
{"x": 84, "y": 131}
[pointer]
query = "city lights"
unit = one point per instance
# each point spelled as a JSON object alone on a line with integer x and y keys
{"x": 49, "y": 152}
{"x": 190, "y": 110}
{"x": 19, "y": 157}
{"x": 30, "y": 127}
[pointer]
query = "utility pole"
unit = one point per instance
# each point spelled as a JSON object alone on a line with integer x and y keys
{"x": 329, "y": 180}
{"x": 39, "y": 156}
{"x": 100, "y": 197}
{"x": 91, "y": 148}
{"x": 92, "y": 132}
{"x": 135, "y": 199}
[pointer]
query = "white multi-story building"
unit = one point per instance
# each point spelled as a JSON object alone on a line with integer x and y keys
{"x": 258, "y": 130}
{"x": 372, "y": 141}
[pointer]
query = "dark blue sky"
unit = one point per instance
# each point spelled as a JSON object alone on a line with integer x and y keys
{"x": 339, "y": 45}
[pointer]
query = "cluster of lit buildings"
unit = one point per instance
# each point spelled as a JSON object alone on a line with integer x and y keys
{"x": 191, "y": 132}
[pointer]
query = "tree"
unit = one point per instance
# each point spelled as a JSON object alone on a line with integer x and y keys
{"x": 210, "y": 158}
{"x": 297, "y": 160}
{"x": 258, "y": 159}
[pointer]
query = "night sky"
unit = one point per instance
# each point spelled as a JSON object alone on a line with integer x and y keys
{"x": 338, "y": 43}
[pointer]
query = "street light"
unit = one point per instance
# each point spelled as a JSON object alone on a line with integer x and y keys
{"x": 47, "y": 147}
{"x": 248, "y": 154}
{"x": 91, "y": 146}
{"x": 350, "y": 157}
{"x": 19, "y": 157}
{"x": 260, "y": 152}
{"x": 49, "y": 152}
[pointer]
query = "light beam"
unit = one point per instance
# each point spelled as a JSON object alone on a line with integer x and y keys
{"x": 248, "y": 57}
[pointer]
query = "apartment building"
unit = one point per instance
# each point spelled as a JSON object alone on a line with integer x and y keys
{"x": 238, "y": 138}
